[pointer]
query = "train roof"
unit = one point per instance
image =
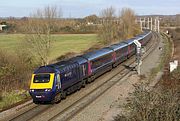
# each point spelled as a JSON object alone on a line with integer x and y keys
{"x": 97, "y": 53}
{"x": 59, "y": 66}
{"x": 63, "y": 65}
{"x": 118, "y": 46}
{"x": 138, "y": 37}
{"x": 143, "y": 35}
{"x": 129, "y": 41}
{"x": 45, "y": 69}
{"x": 78, "y": 59}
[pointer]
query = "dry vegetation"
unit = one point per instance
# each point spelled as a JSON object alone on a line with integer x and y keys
{"x": 14, "y": 70}
{"x": 160, "y": 104}
{"x": 115, "y": 29}
{"x": 175, "y": 34}
{"x": 41, "y": 25}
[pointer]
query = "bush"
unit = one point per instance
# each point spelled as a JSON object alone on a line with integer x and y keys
{"x": 67, "y": 29}
{"x": 15, "y": 71}
{"x": 160, "y": 104}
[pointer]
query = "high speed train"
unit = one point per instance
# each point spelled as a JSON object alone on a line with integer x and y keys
{"x": 53, "y": 82}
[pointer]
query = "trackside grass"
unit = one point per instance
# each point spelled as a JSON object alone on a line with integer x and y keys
{"x": 9, "y": 98}
{"x": 164, "y": 57}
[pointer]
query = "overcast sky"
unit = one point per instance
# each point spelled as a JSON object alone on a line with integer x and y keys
{"x": 82, "y": 8}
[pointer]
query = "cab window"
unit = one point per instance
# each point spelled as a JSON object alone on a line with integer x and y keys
{"x": 41, "y": 78}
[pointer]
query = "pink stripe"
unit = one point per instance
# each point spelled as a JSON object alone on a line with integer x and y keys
{"x": 89, "y": 68}
{"x": 114, "y": 56}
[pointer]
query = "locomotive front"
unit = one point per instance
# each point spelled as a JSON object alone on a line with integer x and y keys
{"x": 44, "y": 85}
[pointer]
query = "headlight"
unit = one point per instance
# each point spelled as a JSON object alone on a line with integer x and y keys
{"x": 31, "y": 90}
{"x": 47, "y": 90}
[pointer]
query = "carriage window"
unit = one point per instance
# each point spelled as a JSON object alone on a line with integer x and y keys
{"x": 102, "y": 60}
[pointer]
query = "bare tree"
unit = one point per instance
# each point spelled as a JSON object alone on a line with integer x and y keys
{"x": 39, "y": 28}
{"x": 128, "y": 25}
{"x": 118, "y": 28}
{"x": 107, "y": 32}
{"x": 177, "y": 19}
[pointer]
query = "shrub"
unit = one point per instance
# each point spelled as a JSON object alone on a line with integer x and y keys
{"x": 14, "y": 71}
{"x": 160, "y": 104}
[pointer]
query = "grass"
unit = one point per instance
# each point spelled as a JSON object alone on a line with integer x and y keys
{"x": 71, "y": 43}
{"x": 9, "y": 98}
{"x": 61, "y": 45}
{"x": 10, "y": 42}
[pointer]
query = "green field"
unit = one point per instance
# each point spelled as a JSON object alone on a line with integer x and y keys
{"x": 61, "y": 45}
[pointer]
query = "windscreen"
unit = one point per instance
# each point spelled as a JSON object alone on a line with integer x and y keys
{"x": 41, "y": 78}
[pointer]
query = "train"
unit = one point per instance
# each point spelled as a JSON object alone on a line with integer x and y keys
{"x": 54, "y": 82}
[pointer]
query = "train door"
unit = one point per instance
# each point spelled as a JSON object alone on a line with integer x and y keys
{"x": 58, "y": 82}
{"x": 83, "y": 67}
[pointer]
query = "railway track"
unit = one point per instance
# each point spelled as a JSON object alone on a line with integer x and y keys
{"x": 67, "y": 111}
{"x": 31, "y": 113}
{"x": 82, "y": 103}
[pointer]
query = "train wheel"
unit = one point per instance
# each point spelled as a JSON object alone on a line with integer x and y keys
{"x": 111, "y": 67}
{"x": 68, "y": 91}
{"x": 79, "y": 86}
{"x": 57, "y": 98}
{"x": 63, "y": 95}
{"x": 93, "y": 78}
{"x": 89, "y": 80}
{"x": 83, "y": 83}
{"x": 114, "y": 65}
